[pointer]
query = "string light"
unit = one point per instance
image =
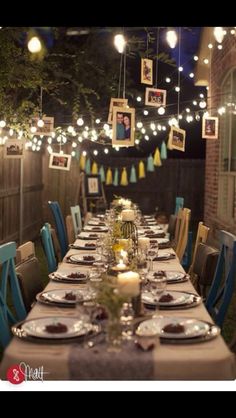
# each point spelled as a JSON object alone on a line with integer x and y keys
{"x": 34, "y": 45}
{"x": 171, "y": 38}
{"x": 119, "y": 42}
{"x": 219, "y": 34}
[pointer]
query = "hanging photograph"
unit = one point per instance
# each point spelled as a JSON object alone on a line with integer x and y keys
{"x": 14, "y": 148}
{"x": 93, "y": 185}
{"x": 146, "y": 71}
{"x": 177, "y": 139}
{"x": 155, "y": 97}
{"x": 123, "y": 127}
{"x": 118, "y": 103}
{"x": 47, "y": 129}
{"x": 210, "y": 127}
{"x": 60, "y": 161}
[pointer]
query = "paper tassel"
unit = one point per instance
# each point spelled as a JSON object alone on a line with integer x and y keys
{"x": 115, "y": 181}
{"x": 94, "y": 168}
{"x": 163, "y": 151}
{"x": 82, "y": 162}
{"x": 124, "y": 178}
{"x": 109, "y": 177}
{"x": 157, "y": 157}
{"x": 88, "y": 166}
{"x": 102, "y": 174}
{"x": 133, "y": 177}
{"x": 150, "y": 165}
{"x": 141, "y": 170}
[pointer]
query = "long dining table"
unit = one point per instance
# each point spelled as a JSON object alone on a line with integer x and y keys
{"x": 208, "y": 360}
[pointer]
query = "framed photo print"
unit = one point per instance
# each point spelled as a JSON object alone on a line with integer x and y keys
{"x": 123, "y": 126}
{"x": 14, "y": 148}
{"x": 93, "y": 185}
{"x": 146, "y": 71}
{"x": 210, "y": 126}
{"x": 47, "y": 129}
{"x": 177, "y": 138}
{"x": 155, "y": 97}
{"x": 118, "y": 103}
{"x": 60, "y": 161}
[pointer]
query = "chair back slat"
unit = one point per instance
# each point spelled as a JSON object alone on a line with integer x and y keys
{"x": 60, "y": 226}
{"x": 48, "y": 247}
{"x": 9, "y": 281}
{"x": 202, "y": 235}
{"x": 76, "y": 218}
{"x": 223, "y": 284}
{"x": 181, "y": 231}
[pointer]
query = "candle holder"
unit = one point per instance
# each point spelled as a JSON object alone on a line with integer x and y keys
{"x": 129, "y": 231}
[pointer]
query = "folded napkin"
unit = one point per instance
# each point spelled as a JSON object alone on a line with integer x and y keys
{"x": 164, "y": 245}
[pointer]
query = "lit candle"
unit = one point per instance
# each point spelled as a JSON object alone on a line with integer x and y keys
{"x": 124, "y": 256}
{"x": 143, "y": 243}
{"x": 129, "y": 283}
{"x": 127, "y": 215}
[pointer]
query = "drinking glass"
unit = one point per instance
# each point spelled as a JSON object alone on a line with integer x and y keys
{"x": 158, "y": 285}
{"x": 151, "y": 254}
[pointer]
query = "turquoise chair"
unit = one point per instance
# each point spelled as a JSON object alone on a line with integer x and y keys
{"x": 76, "y": 219}
{"x": 46, "y": 239}
{"x": 188, "y": 252}
{"x": 9, "y": 280}
{"x": 222, "y": 287}
{"x": 179, "y": 204}
{"x": 60, "y": 226}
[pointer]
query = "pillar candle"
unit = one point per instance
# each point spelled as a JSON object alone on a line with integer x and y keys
{"x": 127, "y": 215}
{"x": 129, "y": 283}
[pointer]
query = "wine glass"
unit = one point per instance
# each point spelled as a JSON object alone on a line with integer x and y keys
{"x": 151, "y": 254}
{"x": 158, "y": 284}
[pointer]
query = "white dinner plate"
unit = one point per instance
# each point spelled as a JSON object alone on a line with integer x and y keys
{"x": 65, "y": 276}
{"x": 170, "y": 275}
{"x": 192, "y": 327}
{"x": 79, "y": 258}
{"x": 75, "y": 327}
{"x": 95, "y": 229}
{"x": 180, "y": 298}
{"x": 58, "y": 295}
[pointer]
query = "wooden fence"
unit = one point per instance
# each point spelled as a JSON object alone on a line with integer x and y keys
{"x": 10, "y": 201}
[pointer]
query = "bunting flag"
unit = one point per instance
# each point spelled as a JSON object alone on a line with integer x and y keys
{"x": 88, "y": 166}
{"x": 163, "y": 151}
{"x": 124, "y": 178}
{"x": 82, "y": 162}
{"x": 157, "y": 158}
{"x": 133, "y": 177}
{"x": 141, "y": 170}
{"x": 109, "y": 177}
{"x": 150, "y": 163}
{"x": 116, "y": 175}
{"x": 102, "y": 174}
{"x": 94, "y": 168}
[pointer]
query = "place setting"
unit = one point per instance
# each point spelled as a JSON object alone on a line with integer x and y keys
{"x": 80, "y": 245}
{"x": 171, "y": 276}
{"x": 55, "y": 330}
{"x": 176, "y": 330}
{"x": 96, "y": 228}
{"x": 72, "y": 277}
{"x": 169, "y": 299}
{"x": 83, "y": 259}
{"x": 87, "y": 236}
{"x": 66, "y": 297}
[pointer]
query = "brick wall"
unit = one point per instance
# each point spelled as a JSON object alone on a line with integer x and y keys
{"x": 222, "y": 61}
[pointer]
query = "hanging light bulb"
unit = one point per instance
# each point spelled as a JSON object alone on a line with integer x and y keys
{"x": 34, "y": 45}
{"x": 219, "y": 34}
{"x": 119, "y": 42}
{"x": 161, "y": 110}
{"x": 171, "y": 38}
{"x": 40, "y": 123}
